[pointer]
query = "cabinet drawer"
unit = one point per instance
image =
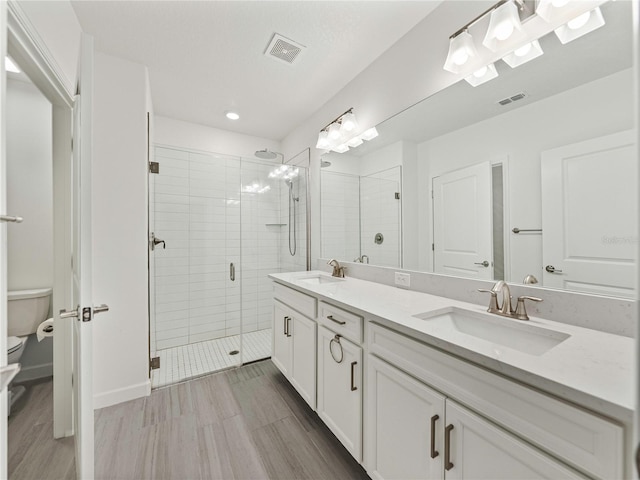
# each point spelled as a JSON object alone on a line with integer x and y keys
{"x": 588, "y": 442}
{"x": 345, "y": 323}
{"x": 303, "y": 303}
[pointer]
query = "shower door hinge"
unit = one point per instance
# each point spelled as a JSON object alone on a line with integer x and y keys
{"x": 397, "y": 195}
{"x": 154, "y": 167}
{"x": 433, "y": 247}
{"x": 154, "y": 363}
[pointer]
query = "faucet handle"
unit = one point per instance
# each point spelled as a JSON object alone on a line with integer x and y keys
{"x": 493, "y": 303}
{"x": 521, "y": 310}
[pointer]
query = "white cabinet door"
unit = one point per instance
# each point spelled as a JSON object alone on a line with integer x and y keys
{"x": 481, "y": 450}
{"x": 340, "y": 389}
{"x": 462, "y": 222}
{"x": 281, "y": 355}
{"x": 405, "y": 425}
{"x": 303, "y": 358}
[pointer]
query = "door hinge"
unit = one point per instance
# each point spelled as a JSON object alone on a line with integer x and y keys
{"x": 154, "y": 167}
{"x": 433, "y": 247}
{"x": 154, "y": 363}
{"x": 397, "y": 195}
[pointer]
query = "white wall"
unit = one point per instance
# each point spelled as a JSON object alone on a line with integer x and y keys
{"x": 29, "y": 187}
{"x": 119, "y": 217}
{"x": 30, "y": 195}
{"x": 592, "y": 110}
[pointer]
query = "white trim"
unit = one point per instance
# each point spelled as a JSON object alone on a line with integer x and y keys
{"x": 35, "y": 372}
{"x": 119, "y": 395}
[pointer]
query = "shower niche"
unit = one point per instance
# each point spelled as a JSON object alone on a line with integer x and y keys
{"x": 227, "y": 222}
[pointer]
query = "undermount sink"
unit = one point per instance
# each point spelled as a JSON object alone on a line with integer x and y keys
{"x": 320, "y": 279}
{"x": 514, "y": 334}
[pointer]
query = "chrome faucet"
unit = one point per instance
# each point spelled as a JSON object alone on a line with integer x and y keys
{"x": 338, "y": 271}
{"x": 505, "y": 308}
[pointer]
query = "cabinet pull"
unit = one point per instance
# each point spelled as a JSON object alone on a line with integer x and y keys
{"x": 447, "y": 448}
{"x": 434, "y": 452}
{"x": 339, "y": 322}
{"x": 353, "y": 368}
{"x": 288, "y": 326}
{"x": 284, "y": 324}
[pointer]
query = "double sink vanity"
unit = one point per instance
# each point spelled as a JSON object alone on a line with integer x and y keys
{"x": 420, "y": 386}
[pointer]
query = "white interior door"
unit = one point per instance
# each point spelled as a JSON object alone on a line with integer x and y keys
{"x": 81, "y": 312}
{"x": 590, "y": 216}
{"x": 462, "y": 222}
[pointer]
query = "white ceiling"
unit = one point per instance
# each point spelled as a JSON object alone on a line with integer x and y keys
{"x": 206, "y": 57}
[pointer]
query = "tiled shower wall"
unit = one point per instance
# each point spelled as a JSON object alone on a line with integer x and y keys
{"x": 340, "y": 215}
{"x": 202, "y": 208}
{"x": 297, "y": 262}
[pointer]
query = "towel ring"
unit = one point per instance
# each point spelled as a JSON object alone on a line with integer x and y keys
{"x": 337, "y": 340}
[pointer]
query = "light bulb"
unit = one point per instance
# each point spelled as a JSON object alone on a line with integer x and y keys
{"x": 504, "y": 31}
{"x": 349, "y": 122}
{"x": 334, "y": 131}
{"x": 460, "y": 57}
{"x": 523, "y": 50}
{"x": 480, "y": 72}
{"x": 579, "y": 22}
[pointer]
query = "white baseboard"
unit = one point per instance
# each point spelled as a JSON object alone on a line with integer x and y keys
{"x": 113, "y": 397}
{"x": 34, "y": 372}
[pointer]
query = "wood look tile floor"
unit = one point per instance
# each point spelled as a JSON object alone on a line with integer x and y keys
{"x": 245, "y": 423}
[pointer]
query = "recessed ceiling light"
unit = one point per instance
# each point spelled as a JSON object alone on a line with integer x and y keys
{"x": 9, "y": 66}
{"x": 232, "y": 115}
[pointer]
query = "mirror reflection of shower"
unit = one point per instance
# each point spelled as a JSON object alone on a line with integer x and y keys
{"x": 288, "y": 174}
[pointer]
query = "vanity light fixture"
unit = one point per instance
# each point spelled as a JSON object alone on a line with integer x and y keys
{"x": 581, "y": 25}
{"x": 339, "y": 135}
{"x": 10, "y": 66}
{"x": 504, "y": 23}
{"x": 461, "y": 50}
{"x": 523, "y": 54}
{"x": 482, "y": 75}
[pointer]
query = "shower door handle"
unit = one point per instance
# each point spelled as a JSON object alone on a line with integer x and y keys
{"x": 232, "y": 272}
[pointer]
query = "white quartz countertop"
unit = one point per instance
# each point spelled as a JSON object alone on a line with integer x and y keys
{"x": 590, "y": 368}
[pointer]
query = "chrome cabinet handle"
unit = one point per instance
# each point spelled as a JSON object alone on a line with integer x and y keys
{"x": 485, "y": 264}
{"x": 448, "y": 465}
{"x": 552, "y": 269}
{"x": 353, "y": 367}
{"x": 434, "y": 452}
{"x": 339, "y": 322}
{"x": 9, "y": 218}
{"x": 232, "y": 272}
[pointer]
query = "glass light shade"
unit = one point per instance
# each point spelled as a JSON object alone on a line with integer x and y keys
{"x": 504, "y": 21}
{"x": 349, "y": 123}
{"x": 559, "y": 10}
{"x": 9, "y": 66}
{"x": 525, "y": 53}
{"x": 482, "y": 75}
{"x": 355, "y": 142}
{"x": 341, "y": 148}
{"x": 323, "y": 140}
{"x": 369, "y": 134}
{"x": 580, "y": 25}
{"x": 461, "y": 50}
{"x": 334, "y": 132}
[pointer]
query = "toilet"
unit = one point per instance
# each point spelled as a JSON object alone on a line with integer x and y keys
{"x": 26, "y": 309}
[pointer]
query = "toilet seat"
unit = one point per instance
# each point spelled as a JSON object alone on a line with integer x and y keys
{"x": 13, "y": 344}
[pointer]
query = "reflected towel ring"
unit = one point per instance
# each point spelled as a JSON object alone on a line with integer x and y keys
{"x": 337, "y": 340}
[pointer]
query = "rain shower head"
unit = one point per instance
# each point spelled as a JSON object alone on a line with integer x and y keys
{"x": 267, "y": 154}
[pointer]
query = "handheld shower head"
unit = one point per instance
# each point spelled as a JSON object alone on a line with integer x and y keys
{"x": 267, "y": 154}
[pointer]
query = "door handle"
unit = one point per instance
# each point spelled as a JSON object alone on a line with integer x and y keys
{"x": 69, "y": 314}
{"x": 100, "y": 309}
{"x": 552, "y": 269}
{"x": 9, "y": 218}
{"x": 485, "y": 264}
{"x": 434, "y": 452}
{"x": 448, "y": 465}
{"x": 156, "y": 241}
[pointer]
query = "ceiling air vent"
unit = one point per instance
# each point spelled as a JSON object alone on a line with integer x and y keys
{"x": 513, "y": 98}
{"x": 283, "y": 49}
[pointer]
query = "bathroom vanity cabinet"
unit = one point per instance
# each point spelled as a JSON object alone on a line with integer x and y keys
{"x": 405, "y": 408}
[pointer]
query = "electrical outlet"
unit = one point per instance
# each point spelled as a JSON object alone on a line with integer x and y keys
{"x": 403, "y": 279}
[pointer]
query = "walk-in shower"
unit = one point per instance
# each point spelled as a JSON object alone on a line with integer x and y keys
{"x": 227, "y": 222}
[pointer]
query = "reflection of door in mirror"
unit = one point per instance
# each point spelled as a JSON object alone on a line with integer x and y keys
{"x": 463, "y": 223}
{"x": 589, "y": 218}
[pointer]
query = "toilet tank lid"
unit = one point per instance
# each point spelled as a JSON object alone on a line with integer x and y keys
{"x": 25, "y": 294}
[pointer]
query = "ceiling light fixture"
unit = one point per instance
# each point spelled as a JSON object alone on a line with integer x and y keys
{"x": 10, "y": 66}
{"x": 231, "y": 115}
{"x": 510, "y": 37}
{"x": 339, "y": 135}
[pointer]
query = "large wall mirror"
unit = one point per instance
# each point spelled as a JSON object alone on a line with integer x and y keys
{"x": 531, "y": 175}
